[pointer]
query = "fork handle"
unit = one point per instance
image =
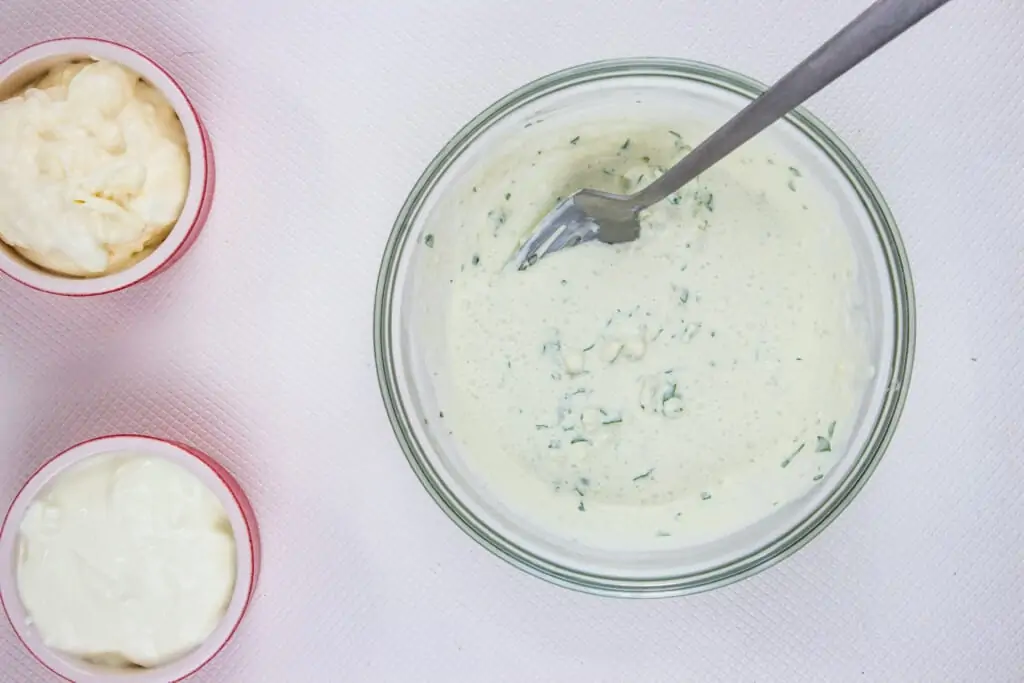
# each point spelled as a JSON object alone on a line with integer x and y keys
{"x": 871, "y": 30}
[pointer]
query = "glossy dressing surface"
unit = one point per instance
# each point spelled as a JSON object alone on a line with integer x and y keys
{"x": 126, "y": 560}
{"x": 659, "y": 393}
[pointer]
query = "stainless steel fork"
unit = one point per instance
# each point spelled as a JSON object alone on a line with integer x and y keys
{"x": 612, "y": 218}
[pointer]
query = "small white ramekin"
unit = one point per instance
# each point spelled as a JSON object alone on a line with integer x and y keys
{"x": 247, "y": 543}
{"x": 26, "y": 66}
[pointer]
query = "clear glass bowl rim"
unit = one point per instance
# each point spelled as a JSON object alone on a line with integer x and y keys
{"x": 902, "y": 350}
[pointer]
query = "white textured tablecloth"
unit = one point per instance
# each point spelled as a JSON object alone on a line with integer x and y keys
{"x": 257, "y": 347}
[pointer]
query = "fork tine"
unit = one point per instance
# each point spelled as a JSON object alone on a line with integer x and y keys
{"x": 535, "y": 247}
{"x": 566, "y": 225}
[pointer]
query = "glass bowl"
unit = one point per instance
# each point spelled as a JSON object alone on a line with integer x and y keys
{"x": 409, "y": 314}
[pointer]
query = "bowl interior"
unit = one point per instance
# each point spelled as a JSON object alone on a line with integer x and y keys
{"x": 25, "y": 68}
{"x": 72, "y": 668}
{"x": 415, "y": 294}
{"x": 19, "y": 80}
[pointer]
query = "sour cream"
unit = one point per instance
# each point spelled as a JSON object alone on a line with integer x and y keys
{"x": 664, "y": 392}
{"x": 94, "y": 169}
{"x": 126, "y": 560}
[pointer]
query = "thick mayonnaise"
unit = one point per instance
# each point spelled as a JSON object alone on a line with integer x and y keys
{"x": 94, "y": 169}
{"x": 664, "y": 392}
{"x": 126, "y": 559}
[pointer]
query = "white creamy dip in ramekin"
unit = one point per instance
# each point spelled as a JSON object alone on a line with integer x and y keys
{"x": 94, "y": 169}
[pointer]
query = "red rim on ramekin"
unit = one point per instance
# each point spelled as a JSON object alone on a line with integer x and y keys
{"x": 26, "y": 66}
{"x": 247, "y": 544}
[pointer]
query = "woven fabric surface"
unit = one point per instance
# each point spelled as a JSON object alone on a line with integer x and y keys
{"x": 257, "y": 347}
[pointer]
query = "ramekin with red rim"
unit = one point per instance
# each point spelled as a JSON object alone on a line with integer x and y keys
{"x": 26, "y": 67}
{"x": 16, "y": 548}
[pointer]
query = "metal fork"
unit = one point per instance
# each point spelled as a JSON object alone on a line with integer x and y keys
{"x": 612, "y": 218}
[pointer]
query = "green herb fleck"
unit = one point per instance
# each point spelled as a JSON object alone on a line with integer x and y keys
{"x": 645, "y": 475}
{"x": 625, "y": 145}
{"x": 818, "y": 477}
{"x": 675, "y": 134}
{"x": 785, "y": 463}
{"x": 831, "y": 429}
{"x": 540, "y": 427}
{"x": 791, "y": 185}
{"x": 645, "y": 159}
{"x": 795, "y": 171}
{"x": 703, "y": 199}
{"x": 429, "y": 240}
{"x": 498, "y": 218}
{"x": 690, "y": 330}
{"x": 705, "y": 495}
{"x": 662, "y": 534}
{"x": 554, "y": 443}
{"x": 476, "y": 259}
{"x": 574, "y": 140}
{"x": 823, "y": 445}
{"x": 508, "y": 196}
{"x": 581, "y": 507}
{"x": 578, "y": 439}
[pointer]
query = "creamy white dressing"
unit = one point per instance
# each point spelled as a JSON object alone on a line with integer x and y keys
{"x": 126, "y": 560}
{"x": 664, "y": 392}
{"x": 94, "y": 169}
